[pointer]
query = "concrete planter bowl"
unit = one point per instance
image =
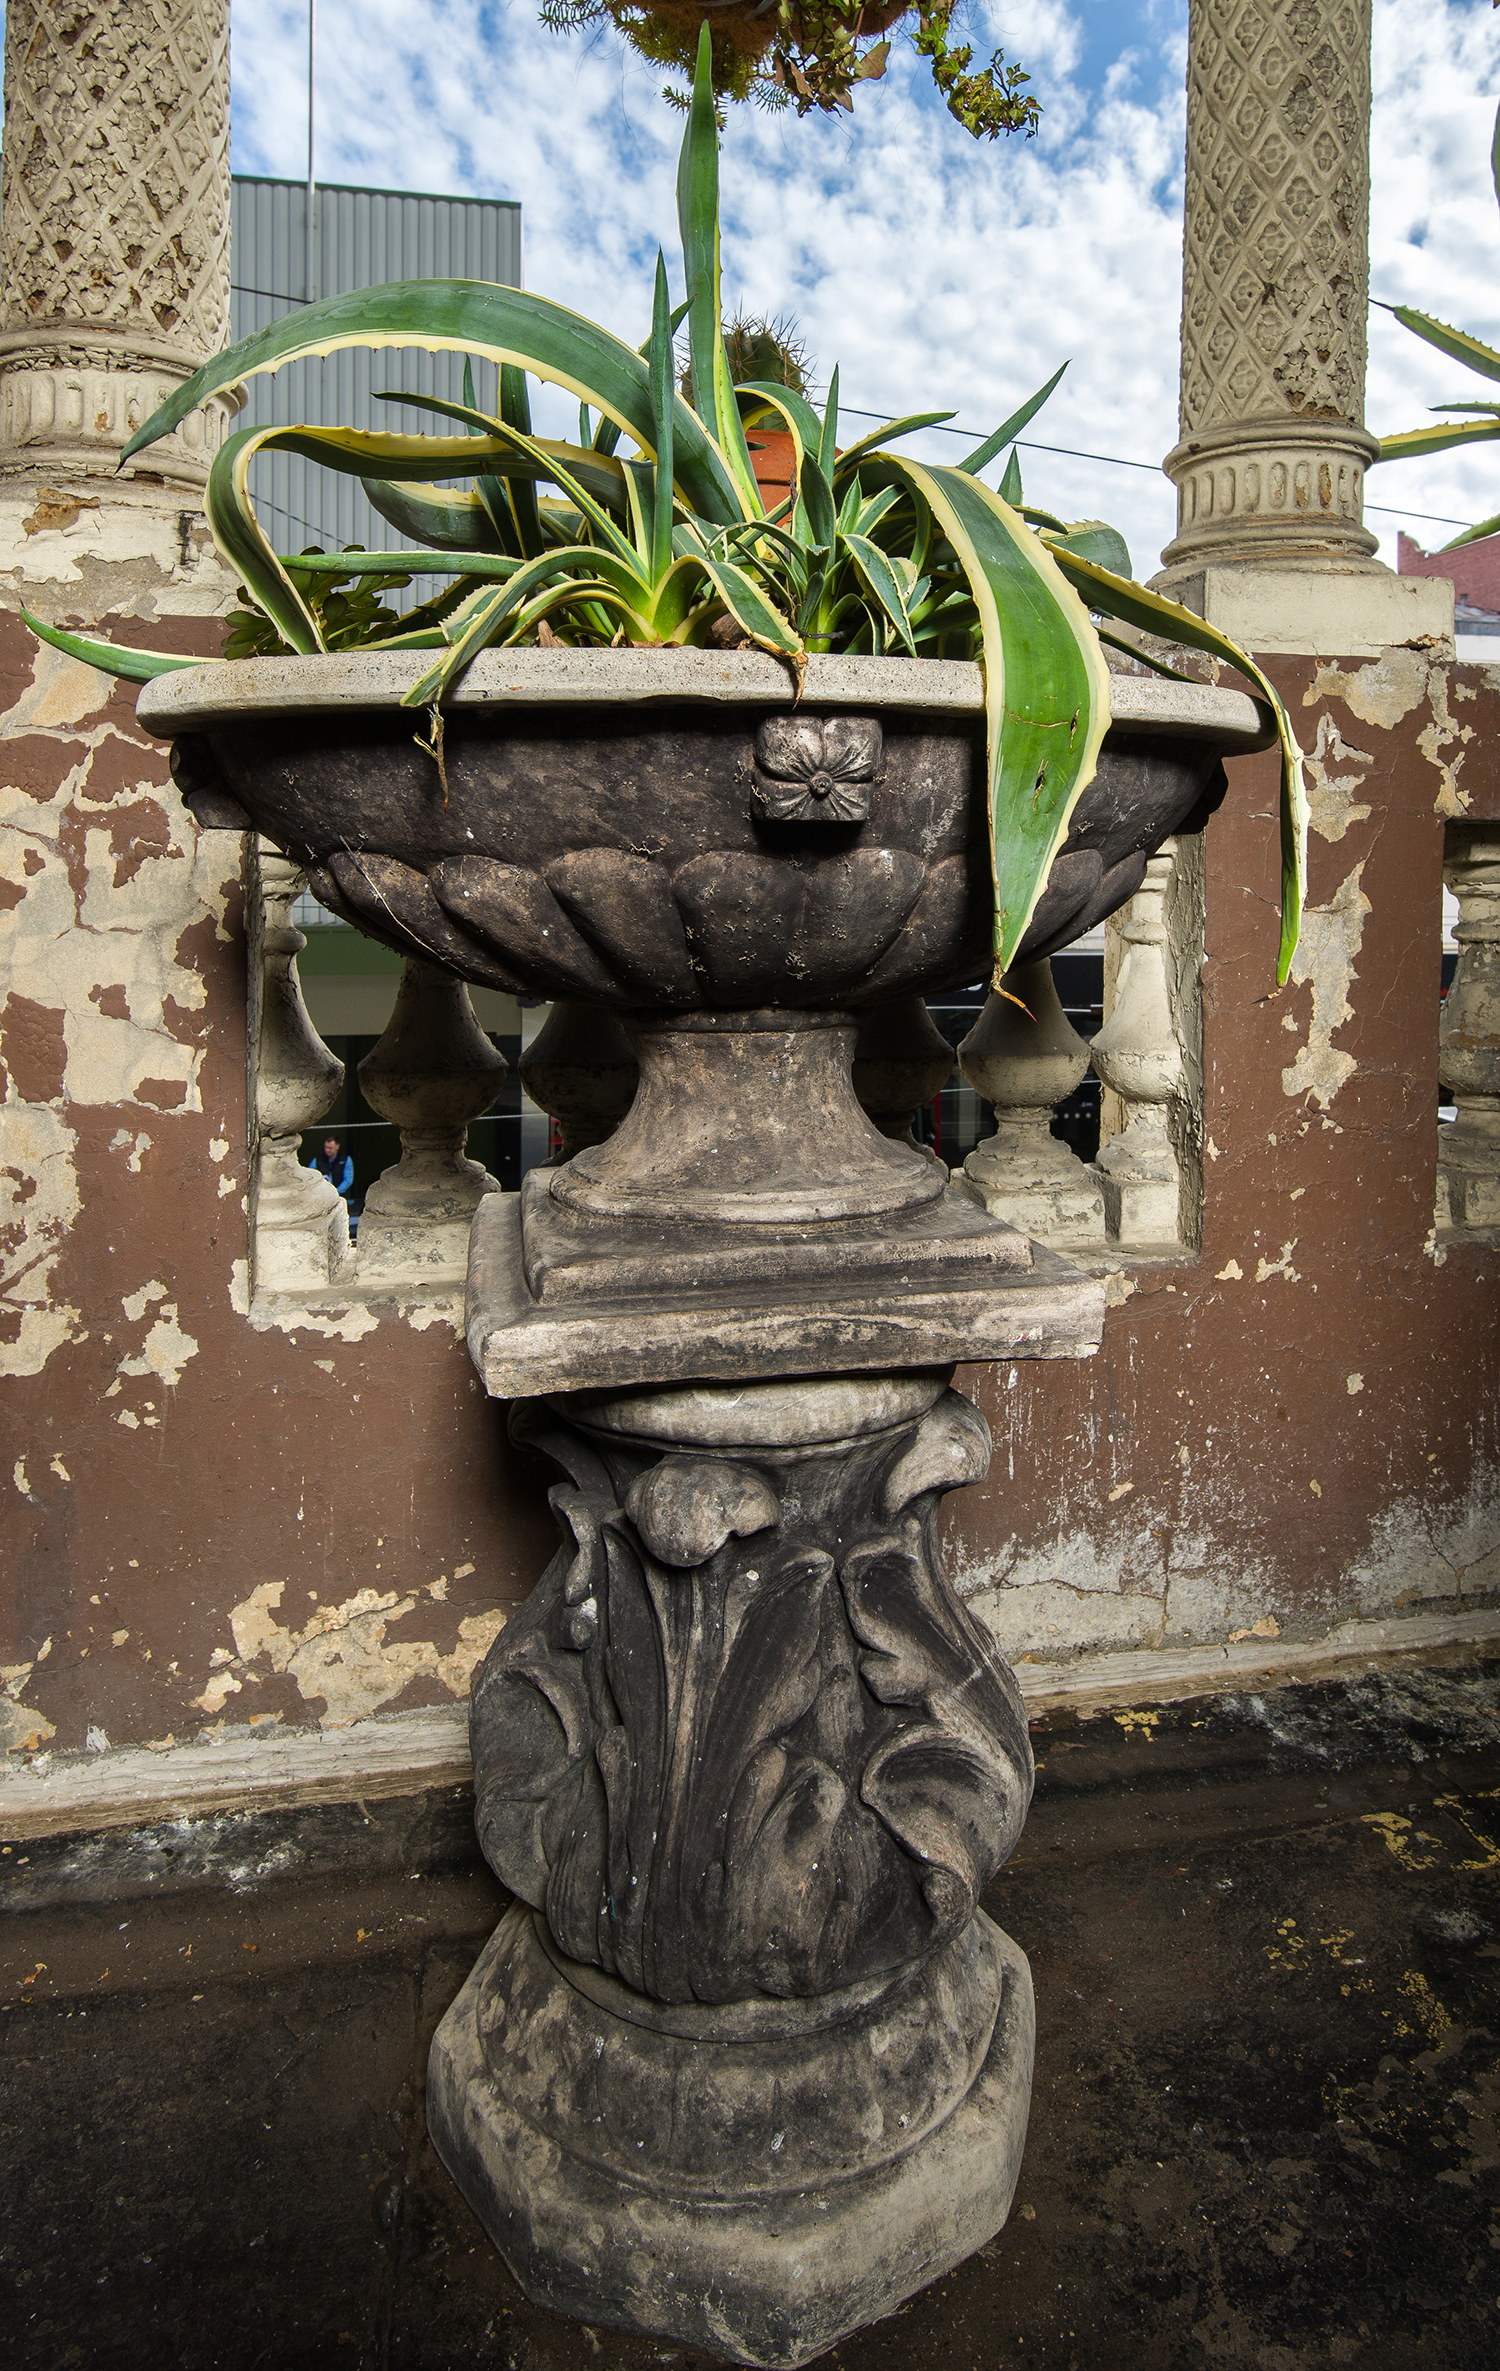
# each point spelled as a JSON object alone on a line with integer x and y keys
{"x": 741, "y": 876}
{"x": 665, "y": 831}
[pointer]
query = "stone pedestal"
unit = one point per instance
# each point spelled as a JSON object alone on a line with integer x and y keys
{"x": 748, "y": 2067}
{"x": 747, "y": 1219}
{"x": 745, "y": 2067}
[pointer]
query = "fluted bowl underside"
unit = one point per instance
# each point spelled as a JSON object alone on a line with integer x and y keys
{"x": 664, "y": 831}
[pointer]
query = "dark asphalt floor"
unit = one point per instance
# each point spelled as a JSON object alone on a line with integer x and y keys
{"x": 1265, "y": 2133}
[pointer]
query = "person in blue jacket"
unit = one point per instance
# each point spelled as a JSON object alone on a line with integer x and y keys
{"x": 334, "y": 1163}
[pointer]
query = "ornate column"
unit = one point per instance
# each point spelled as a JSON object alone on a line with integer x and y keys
{"x": 299, "y": 1227}
{"x": 1025, "y": 1063}
{"x": 1273, "y": 450}
{"x": 1468, "y": 1182}
{"x": 433, "y": 1071}
{"x": 114, "y": 231}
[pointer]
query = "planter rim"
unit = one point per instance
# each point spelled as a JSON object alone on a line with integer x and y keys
{"x": 192, "y": 699}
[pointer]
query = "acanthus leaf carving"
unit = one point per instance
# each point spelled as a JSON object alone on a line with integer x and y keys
{"x": 786, "y": 1765}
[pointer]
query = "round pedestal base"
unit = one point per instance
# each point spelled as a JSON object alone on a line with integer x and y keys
{"x": 757, "y": 2179}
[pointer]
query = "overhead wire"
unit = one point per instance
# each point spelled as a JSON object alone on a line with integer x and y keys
{"x": 1119, "y": 461}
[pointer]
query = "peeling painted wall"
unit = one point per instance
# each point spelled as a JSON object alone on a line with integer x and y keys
{"x": 1305, "y": 1423}
{"x": 212, "y": 1521}
{"x": 204, "y": 1521}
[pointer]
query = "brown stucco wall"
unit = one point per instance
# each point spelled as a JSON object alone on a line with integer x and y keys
{"x": 214, "y": 1521}
{"x": 206, "y": 1520}
{"x": 1302, "y": 1423}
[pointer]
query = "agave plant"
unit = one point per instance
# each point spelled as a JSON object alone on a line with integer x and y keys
{"x": 671, "y": 543}
{"x": 1480, "y": 358}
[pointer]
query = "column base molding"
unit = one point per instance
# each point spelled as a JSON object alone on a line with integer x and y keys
{"x": 1289, "y": 490}
{"x": 74, "y": 417}
{"x": 758, "y": 2179}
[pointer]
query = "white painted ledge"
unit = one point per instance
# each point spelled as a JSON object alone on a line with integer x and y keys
{"x": 401, "y": 1753}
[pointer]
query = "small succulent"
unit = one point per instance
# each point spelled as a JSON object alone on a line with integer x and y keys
{"x": 348, "y": 607}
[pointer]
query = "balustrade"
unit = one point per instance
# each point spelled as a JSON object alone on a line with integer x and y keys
{"x": 432, "y": 1072}
{"x": 299, "y": 1226}
{"x": 901, "y": 1060}
{"x": 1024, "y": 1062}
{"x": 1148, "y": 1055}
{"x": 581, "y": 1071}
{"x": 1468, "y": 1178}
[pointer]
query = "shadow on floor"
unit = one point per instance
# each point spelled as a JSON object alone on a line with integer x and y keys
{"x": 1265, "y": 2132}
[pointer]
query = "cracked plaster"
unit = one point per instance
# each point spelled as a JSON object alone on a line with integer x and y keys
{"x": 1384, "y": 693}
{"x": 1324, "y": 962}
{"x": 342, "y": 1658}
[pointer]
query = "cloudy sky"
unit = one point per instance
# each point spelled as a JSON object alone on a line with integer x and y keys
{"x": 934, "y": 270}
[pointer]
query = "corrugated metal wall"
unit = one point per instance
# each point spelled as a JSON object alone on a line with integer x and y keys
{"x": 362, "y": 237}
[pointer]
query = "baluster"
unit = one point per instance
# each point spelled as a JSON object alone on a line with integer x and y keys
{"x": 1469, "y": 1043}
{"x": 433, "y": 1071}
{"x": 580, "y": 1070}
{"x": 1025, "y": 1063}
{"x": 299, "y": 1228}
{"x": 901, "y": 1060}
{"x": 1139, "y": 1057}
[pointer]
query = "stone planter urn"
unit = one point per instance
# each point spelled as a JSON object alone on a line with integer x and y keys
{"x": 745, "y": 2064}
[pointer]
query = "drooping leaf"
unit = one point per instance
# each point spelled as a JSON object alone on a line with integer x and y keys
{"x": 1046, "y": 686}
{"x": 1136, "y": 605}
{"x": 112, "y": 658}
{"x": 505, "y": 325}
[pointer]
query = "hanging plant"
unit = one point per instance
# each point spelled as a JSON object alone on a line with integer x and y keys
{"x": 810, "y": 54}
